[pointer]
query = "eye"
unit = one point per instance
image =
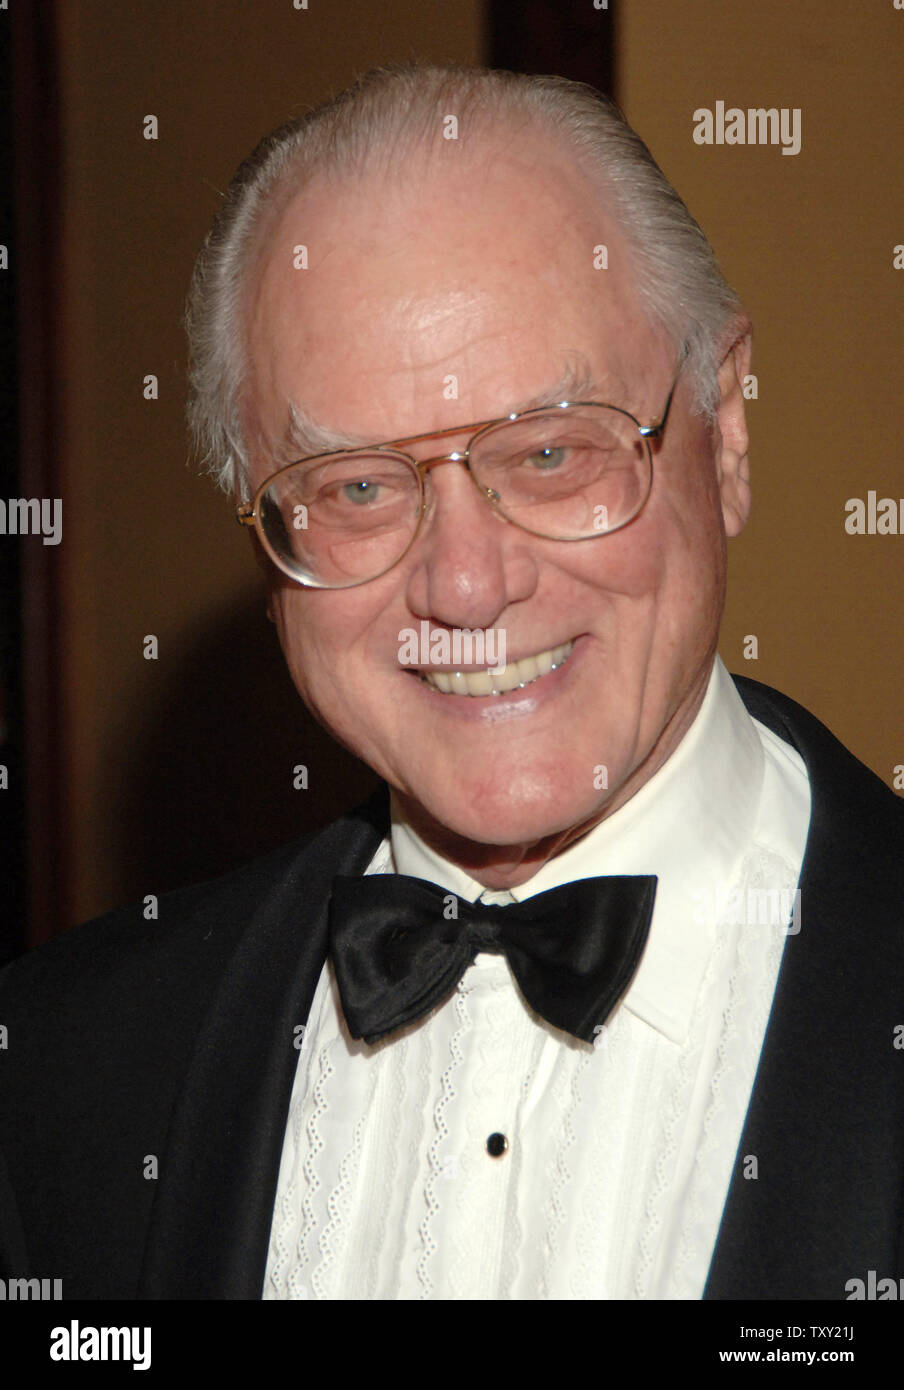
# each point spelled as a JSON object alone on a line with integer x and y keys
{"x": 544, "y": 460}
{"x": 361, "y": 491}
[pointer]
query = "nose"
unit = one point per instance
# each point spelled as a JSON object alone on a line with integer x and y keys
{"x": 468, "y": 564}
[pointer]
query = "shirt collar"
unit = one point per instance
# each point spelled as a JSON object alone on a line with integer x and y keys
{"x": 690, "y": 824}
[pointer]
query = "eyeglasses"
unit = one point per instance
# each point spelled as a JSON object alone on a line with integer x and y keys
{"x": 569, "y": 472}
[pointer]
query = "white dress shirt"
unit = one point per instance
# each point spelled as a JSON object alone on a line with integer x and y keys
{"x": 619, "y": 1155}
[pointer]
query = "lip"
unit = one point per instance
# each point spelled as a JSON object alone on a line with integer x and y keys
{"x": 513, "y": 704}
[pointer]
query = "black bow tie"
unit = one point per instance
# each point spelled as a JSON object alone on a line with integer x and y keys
{"x": 400, "y": 945}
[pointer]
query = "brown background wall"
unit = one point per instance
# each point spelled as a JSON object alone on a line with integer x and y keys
{"x": 807, "y": 240}
{"x": 172, "y": 769}
{"x": 152, "y": 752}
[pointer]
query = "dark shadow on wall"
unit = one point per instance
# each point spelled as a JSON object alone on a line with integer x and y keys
{"x": 12, "y": 761}
{"x": 571, "y": 38}
{"x": 209, "y": 784}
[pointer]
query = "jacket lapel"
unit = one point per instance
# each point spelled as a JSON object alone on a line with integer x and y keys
{"x": 824, "y": 1122}
{"x": 210, "y": 1225}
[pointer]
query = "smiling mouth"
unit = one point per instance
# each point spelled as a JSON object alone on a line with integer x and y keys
{"x": 516, "y": 676}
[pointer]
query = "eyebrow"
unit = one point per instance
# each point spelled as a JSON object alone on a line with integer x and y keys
{"x": 303, "y": 437}
{"x": 576, "y": 383}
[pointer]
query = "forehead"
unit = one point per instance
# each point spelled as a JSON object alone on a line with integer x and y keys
{"x": 486, "y": 273}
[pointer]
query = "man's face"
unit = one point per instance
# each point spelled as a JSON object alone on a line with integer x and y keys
{"x": 482, "y": 269}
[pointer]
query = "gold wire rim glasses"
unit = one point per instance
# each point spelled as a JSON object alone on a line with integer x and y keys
{"x": 250, "y": 513}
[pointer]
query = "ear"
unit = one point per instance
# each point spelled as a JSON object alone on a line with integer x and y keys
{"x": 732, "y": 463}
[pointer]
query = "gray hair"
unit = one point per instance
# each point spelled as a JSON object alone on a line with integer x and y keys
{"x": 400, "y": 108}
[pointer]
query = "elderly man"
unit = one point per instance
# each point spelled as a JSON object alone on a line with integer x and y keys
{"x": 597, "y": 998}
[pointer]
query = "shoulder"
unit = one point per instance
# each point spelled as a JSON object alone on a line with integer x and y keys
{"x": 850, "y": 803}
{"x": 122, "y": 996}
{"x": 175, "y": 949}
{"x": 200, "y": 920}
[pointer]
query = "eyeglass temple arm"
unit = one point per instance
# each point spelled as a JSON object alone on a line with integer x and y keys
{"x": 654, "y": 431}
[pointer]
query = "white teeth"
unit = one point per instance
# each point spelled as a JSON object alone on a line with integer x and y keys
{"x": 514, "y": 676}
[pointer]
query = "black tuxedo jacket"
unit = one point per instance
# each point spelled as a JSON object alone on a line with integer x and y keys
{"x": 167, "y": 1047}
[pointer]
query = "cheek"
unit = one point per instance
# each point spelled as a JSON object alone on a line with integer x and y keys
{"x": 328, "y": 640}
{"x": 629, "y": 564}
{"x": 304, "y": 635}
{"x": 664, "y": 574}
{"x": 694, "y": 582}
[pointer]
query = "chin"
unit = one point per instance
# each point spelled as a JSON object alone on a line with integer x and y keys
{"x": 496, "y": 814}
